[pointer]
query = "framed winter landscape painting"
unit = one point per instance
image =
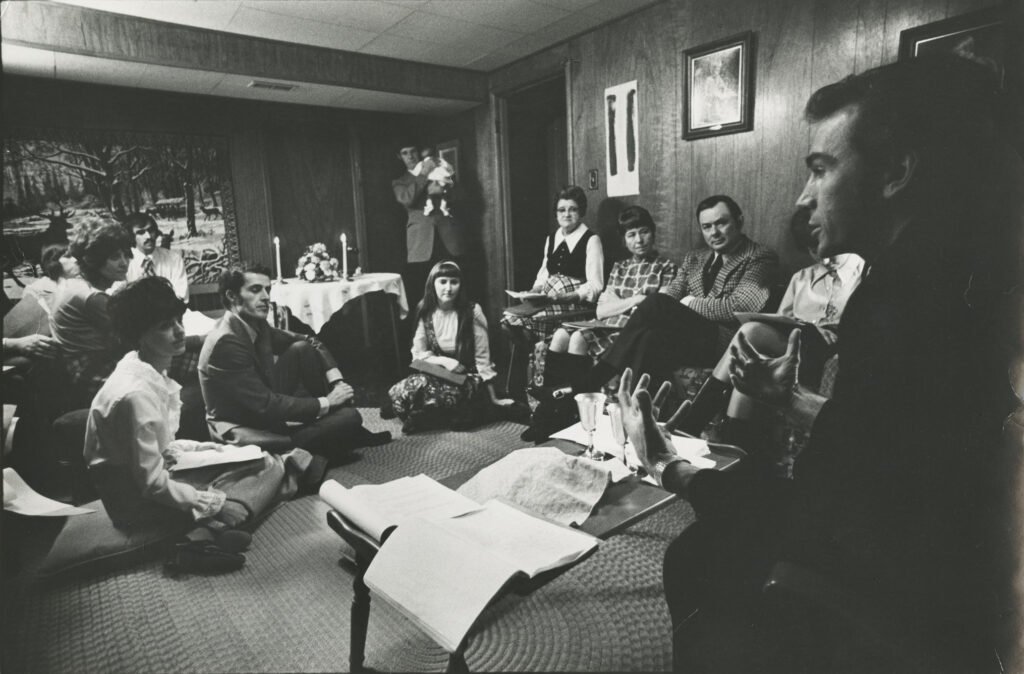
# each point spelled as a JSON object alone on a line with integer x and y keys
{"x": 54, "y": 178}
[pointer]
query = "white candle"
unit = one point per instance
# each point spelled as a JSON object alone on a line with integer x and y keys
{"x": 344, "y": 255}
{"x": 277, "y": 256}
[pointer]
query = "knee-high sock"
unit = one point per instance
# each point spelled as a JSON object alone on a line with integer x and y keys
{"x": 709, "y": 401}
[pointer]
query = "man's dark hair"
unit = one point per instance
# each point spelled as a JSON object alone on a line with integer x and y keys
{"x": 234, "y": 278}
{"x": 133, "y": 220}
{"x": 141, "y": 305}
{"x": 943, "y": 108}
{"x": 404, "y": 142}
{"x": 714, "y": 200}
{"x": 951, "y": 114}
{"x": 633, "y": 217}
{"x": 572, "y": 193}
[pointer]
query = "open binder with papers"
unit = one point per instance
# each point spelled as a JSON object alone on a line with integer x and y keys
{"x": 443, "y": 557}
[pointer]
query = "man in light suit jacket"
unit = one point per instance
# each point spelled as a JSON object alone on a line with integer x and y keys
{"x": 250, "y": 399}
{"x": 690, "y": 321}
{"x": 429, "y": 237}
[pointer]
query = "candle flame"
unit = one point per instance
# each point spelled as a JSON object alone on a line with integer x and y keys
{"x": 277, "y": 241}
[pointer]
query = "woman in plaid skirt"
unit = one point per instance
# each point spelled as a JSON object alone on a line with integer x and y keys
{"x": 570, "y": 275}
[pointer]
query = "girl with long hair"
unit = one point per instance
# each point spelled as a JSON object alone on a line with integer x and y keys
{"x": 451, "y": 340}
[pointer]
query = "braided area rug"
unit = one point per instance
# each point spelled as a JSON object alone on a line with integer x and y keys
{"x": 288, "y": 608}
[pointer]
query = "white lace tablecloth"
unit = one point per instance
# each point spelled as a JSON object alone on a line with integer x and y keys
{"x": 315, "y": 303}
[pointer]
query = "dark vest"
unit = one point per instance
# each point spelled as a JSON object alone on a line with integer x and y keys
{"x": 561, "y": 261}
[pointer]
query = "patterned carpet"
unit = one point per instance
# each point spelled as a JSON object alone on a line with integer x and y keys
{"x": 288, "y": 608}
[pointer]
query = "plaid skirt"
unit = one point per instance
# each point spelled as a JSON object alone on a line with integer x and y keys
{"x": 423, "y": 395}
{"x": 544, "y": 323}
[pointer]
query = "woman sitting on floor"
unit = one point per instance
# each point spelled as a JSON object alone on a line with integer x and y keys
{"x": 80, "y": 323}
{"x": 451, "y": 333}
{"x": 571, "y": 273}
{"x": 129, "y": 441}
{"x": 572, "y": 352}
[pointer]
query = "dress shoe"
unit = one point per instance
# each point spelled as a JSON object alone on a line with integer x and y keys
{"x": 233, "y": 540}
{"x": 387, "y": 411}
{"x": 313, "y": 476}
{"x": 371, "y": 439}
{"x": 202, "y": 557}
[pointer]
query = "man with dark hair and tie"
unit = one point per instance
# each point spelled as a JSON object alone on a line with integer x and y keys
{"x": 270, "y": 387}
{"x": 149, "y": 259}
{"x": 690, "y": 321}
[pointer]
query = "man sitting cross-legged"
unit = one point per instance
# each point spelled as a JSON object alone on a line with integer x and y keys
{"x": 250, "y": 399}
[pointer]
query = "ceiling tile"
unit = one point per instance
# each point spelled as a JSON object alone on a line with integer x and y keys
{"x": 611, "y": 9}
{"x": 521, "y": 17}
{"x": 567, "y": 5}
{"x": 362, "y": 14}
{"x": 256, "y": 22}
{"x": 213, "y": 15}
{"x": 454, "y": 33}
{"x": 411, "y": 49}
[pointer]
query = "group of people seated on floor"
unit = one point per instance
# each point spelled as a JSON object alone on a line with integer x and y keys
{"x": 116, "y": 339}
{"x": 894, "y": 521}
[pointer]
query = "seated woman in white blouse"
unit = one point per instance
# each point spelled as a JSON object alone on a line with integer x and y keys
{"x": 451, "y": 333}
{"x": 130, "y": 443}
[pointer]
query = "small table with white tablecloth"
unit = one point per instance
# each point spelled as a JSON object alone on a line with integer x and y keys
{"x": 315, "y": 303}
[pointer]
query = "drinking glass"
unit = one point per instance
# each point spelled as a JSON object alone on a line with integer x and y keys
{"x": 619, "y": 433}
{"x": 589, "y": 405}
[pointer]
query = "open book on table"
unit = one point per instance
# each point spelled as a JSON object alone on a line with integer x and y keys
{"x": 441, "y": 571}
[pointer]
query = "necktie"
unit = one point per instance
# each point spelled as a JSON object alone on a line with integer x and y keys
{"x": 711, "y": 272}
{"x": 147, "y": 267}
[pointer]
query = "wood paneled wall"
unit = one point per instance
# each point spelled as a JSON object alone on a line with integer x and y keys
{"x": 801, "y": 45}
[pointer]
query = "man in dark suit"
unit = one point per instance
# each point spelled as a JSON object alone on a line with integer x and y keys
{"x": 300, "y": 400}
{"x": 892, "y": 533}
{"x": 429, "y": 237}
{"x": 690, "y": 321}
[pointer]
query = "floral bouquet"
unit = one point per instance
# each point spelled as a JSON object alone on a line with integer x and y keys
{"x": 316, "y": 265}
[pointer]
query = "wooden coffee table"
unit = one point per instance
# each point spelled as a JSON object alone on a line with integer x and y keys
{"x": 622, "y": 505}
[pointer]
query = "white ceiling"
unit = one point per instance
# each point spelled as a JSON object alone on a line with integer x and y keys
{"x": 480, "y": 35}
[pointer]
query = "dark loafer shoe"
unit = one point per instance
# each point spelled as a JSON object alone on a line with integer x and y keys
{"x": 313, "y": 476}
{"x": 203, "y": 557}
{"x": 234, "y": 540}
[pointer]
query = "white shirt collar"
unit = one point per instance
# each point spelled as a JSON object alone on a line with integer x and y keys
{"x": 143, "y": 370}
{"x": 572, "y": 239}
{"x": 848, "y": 266}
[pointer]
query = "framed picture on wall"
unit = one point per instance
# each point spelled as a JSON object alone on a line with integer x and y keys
{"x": 981, "y": 35}
{"x": 718, "y": 87}
{"x": 449, "y": 151}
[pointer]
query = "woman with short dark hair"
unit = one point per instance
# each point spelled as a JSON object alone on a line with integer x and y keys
{"x": 129, "y": 444}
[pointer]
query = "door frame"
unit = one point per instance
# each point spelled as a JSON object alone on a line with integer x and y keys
{"x": 499, "y": 112}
